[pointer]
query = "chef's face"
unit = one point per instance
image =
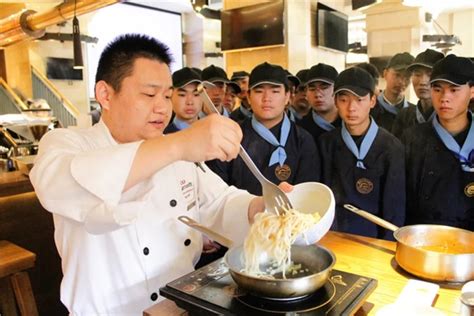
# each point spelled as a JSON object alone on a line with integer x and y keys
{"x": 142, "y": 108}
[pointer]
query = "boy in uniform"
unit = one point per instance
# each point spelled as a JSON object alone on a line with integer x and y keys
{"x": 319, "y": 93}
{"x": 362, "y": 163}
{"x": 281, "y": 150}
{"x": 420, "y": 77}
{"x": 440, "y": 153}
{"x": 218, "y": 78}
{"x": 230, "y": 98}
{"x": 295, "y": 111}
{"x": 243, "y": 112}
{"x": 185, "y": 99}
{"x": 392, "y": 99}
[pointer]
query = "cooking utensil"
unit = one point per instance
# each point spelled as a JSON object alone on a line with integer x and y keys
{"x": 274, "y": 198}
{"x": 206, "y": 231}
{"x": 318, "y": 260}
{"x": 420, "y": 249}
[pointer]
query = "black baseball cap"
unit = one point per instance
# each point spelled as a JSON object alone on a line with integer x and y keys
{"x": 214, "y": 74}
{"x": 302, "y": 75}
{"x": 185, "y": 76}
{"x": 267, "y": 73}
{"x": 234, "y": 86}
{"x": 295, "y": 80}
{"x": 321, "y": 72}
{"x": 239, "y": 75}
{"x": 426, "y": 59}
{"x": 197, "y": 70}
{"x": 400, "y": 61}
{"x": 355, "y": 80}
{"x": 453, "y": 69}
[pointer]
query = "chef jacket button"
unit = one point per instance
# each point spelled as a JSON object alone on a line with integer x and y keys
{"x": 146, "y": 251}
{"x": 154, "y": 296}
{"x": 173, "y": 203}
{"x": 187, "y": 242}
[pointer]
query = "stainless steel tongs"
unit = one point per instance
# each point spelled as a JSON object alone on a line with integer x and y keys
{"x": 274, "y": 198}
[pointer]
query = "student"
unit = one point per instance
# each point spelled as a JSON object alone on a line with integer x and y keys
{"x": 185, "y": 99}
{"x": 362, "y": 163}
{"x": 216, "y": 91}
{"x": 294, "y": 110}
{"x": 116, "y": 189}
{"x": 392, "y": 99}
{"x": 373, "y": 71}
{"x": 230, "y": 97}
{"x": 243, "y": 111}
{"x": 440, "y": 153}
{"x": 423, "y": 111}
{"x": 319, "y": 92}
{"x": 281, "y": 150}
{"x": 299, "y": 101}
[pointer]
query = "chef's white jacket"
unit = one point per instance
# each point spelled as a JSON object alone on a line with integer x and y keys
{"x": 118, "y": 248}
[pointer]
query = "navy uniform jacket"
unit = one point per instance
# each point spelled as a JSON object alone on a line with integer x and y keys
{"x": 379, "y": 189}
{"x": 308, "y": 124}
{"x": 302, "y": 158}
{"x": 171, "y": 128}
{"x": 407, "y": 118}
{"x": 438, "y": 190}
{"x": 384, "y": 118}
{"x": 238, "y": 116}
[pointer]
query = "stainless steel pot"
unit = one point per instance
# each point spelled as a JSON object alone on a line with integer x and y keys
{"x": 433, "y": 252}
{"x": 318, "y": 260}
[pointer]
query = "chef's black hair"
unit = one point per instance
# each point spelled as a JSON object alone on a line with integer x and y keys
{"x": 117, "y": 59}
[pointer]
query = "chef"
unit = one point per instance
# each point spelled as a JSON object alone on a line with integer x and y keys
{"x": 116, "y": 189}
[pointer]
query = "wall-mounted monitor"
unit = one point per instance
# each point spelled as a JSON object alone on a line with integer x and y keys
{"x": 332, "y": 28}
{"x": 62, "y": 69}
{"x": 253, "y": 26}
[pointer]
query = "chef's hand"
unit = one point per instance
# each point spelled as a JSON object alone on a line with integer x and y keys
{"x": 257, "y": 205}
{"x": 214, "y": 137}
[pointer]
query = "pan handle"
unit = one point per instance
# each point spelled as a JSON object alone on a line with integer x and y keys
{"x": 371, "y": 217}
{"x": 206, "y": 231}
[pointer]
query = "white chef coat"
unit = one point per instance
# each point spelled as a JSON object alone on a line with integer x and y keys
{"x": 118, "y": 248}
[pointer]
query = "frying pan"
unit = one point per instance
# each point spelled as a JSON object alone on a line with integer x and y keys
{"x": 318, "y": 260}
{"x": 433, "y": 252}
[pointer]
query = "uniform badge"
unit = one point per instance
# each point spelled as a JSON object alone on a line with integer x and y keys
{"x": 469, "y": 190}
{"x": 364, "y": 186}
{"x": 283, "y": 172}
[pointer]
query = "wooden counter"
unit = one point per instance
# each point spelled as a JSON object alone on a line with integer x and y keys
{"x": 365, "y": 256}
{"x": 14, "y": 182}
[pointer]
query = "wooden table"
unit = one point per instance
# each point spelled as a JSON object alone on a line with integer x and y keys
{"x": 364, "y": 256}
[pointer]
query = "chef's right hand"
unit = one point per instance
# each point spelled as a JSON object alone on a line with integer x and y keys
{"x": 213, "y": 137}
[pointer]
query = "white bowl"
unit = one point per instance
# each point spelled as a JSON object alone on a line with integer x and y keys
{"x": 314, "y": 197}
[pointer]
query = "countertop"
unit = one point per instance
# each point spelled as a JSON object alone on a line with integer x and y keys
{"x": 365, "y": 256}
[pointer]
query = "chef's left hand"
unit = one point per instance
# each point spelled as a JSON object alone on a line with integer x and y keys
{"x": 257, "y": 205}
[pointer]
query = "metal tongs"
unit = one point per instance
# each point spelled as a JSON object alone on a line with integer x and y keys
{"x": 273, "y": 197}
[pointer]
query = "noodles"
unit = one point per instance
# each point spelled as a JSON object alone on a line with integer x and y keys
{"x": 273, "y": 235}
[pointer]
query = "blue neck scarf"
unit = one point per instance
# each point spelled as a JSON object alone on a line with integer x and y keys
{"x": 279, "y": 155}
{"x": 318, "y": 120}
{"x": 225, "y": 112}
{"x": 366, "y": 142}
{"x": 180, "y": 124}
{"x": 245, "y": 111}
{"x": 464, "y": 154}
{"x": 420, "y": 118}
{"x": 389, "y": 107}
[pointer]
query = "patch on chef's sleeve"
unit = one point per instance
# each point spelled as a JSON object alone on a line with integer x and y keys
{"x": 187, "y": 188}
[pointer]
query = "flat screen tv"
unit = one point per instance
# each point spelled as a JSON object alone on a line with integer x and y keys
{"x": 332, "y": 28}
{"x": 253, "y": 26}
{"x": 62, "y": 69}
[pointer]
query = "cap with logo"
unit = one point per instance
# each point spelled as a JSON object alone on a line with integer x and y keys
{"x": 184, "y": 77}
{"x": 453, "y": 69}
{"x": 355, "y": 80}
{"x": 426, "y": 59}
{"x": 321, "y": 72}
{"x": 400, "y": 61}
{"x": 214, "y": 74}
{"x": 236, "y": 75}
{"x": 267, "y": 74}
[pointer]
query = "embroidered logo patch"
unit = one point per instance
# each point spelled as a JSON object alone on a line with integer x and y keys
{"x": 364, "y": 186}
{"x": 283, "y": 172}
{"x": 469, "y": 190}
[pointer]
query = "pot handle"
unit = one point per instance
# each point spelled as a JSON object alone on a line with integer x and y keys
{"x": 206, "y": 231}
{"x": 371, "y": 217}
